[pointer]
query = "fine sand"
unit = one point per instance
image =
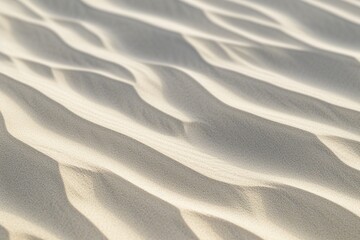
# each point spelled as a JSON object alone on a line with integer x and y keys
{"x": 180, "y": 119}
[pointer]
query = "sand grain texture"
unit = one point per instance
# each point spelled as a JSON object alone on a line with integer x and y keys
{"x": 180, "y": 119}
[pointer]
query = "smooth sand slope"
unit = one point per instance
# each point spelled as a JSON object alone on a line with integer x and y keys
{"x": 180, "y": 119}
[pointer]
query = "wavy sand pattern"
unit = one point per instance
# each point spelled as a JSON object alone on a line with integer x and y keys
{"x": 180, "y": 119}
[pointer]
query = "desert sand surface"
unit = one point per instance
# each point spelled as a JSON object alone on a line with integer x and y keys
{"x": 180, "y": 119}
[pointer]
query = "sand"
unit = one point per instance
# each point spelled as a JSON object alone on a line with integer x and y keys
{"x": 180, "y": 119}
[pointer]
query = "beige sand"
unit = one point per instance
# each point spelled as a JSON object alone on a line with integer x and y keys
{"x": 180, "y": 119}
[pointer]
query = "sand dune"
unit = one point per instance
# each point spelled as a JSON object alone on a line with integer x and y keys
{"x": 179, "y": 119}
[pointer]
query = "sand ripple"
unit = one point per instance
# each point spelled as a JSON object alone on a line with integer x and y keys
{"x": 179, "y": 119}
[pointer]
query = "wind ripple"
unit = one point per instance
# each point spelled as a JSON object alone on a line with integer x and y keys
{"x": 179, "y": 119}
